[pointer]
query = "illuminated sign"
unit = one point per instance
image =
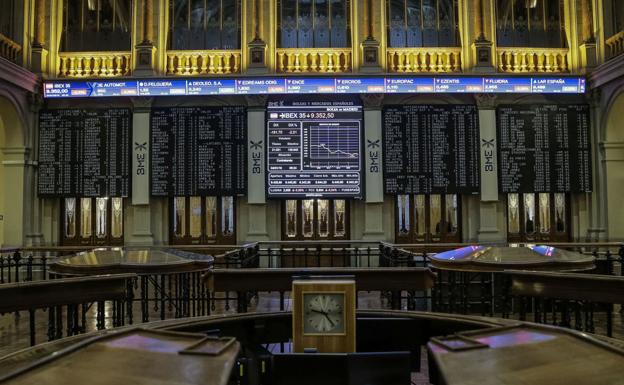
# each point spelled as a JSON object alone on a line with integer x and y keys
{"x": 312, "y": 85}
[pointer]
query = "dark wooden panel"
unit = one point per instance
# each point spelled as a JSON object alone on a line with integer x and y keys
{"x": 582, "y": 287}
{"x": 57, "y": 292}
{"x": 281, "y": 279}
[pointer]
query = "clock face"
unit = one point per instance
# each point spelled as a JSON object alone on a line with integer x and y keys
{"x": 323, "y": 313}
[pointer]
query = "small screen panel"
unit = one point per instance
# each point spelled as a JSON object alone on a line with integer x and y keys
{"x": 314, "y": 148}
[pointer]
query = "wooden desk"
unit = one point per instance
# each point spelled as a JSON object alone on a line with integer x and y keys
{"x": 525, "y": 354}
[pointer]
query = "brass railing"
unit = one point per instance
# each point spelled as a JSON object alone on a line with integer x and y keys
{"x": 615, "y": 45}
{"x": 521, "y": 59}
{"x": 9, "y": 49}
{"x": 206, "y": 62}
{"x": 94, "y": 64}
{"x": 321, "y": 60}
{"x": 424, "y": 59}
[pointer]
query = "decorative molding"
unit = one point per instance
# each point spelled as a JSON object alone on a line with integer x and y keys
{"x": 18, "y": 76}
{"x": 607, "y": 72}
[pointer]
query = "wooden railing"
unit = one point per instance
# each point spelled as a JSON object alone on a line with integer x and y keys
{"x": 206, "y": 62}
{"x": 9, "y": 49}
{"x": 321, "y": 60}
{"x": 615, "y": 45}
{"x": 426, "y": 59}
{"x": 94, "y": 64}
{"x": 539, "y": 60}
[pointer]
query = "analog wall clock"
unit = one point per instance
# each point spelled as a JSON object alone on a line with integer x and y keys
{"x": 324, "y": 315}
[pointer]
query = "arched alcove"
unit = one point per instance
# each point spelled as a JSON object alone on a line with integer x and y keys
{"x": 614, "y": 163}
{"x": 11, "y": 174}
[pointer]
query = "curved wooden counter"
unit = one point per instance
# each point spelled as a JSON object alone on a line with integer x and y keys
{"x": 137, "y": 261}
{"x": 490, "y": 259}
{"x": 480, "y": 350}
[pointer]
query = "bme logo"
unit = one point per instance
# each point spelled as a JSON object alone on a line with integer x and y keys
{"x": 256, "y": 157}
{"x": 140, "y": 147}
{"x": 373, "y": 155}
{"x": 488, "y": 154}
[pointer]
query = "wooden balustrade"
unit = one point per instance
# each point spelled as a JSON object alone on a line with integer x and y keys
{"x": 615, "y": 45}
{"x": 539, "y": 60}
{"x": 94, "y": 64}
{"x": 321, "y": 60}
{"x": 9, "y": 49}
{"x": 206, "y": 62}
{"x": 426, "y": 59}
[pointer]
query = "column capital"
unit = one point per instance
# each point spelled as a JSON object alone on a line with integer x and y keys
{"x": 372, "y": 101}
{"x": 142, "y": 104}
{"x": 485, "y": 101}
{"x": 256, "y": 101}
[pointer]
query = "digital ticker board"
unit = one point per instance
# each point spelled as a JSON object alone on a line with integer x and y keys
{"x": 544, "y": 148}
{"x": 314, "y": 149}
{"x": 313, "y": 85}
{"x": 84, "y": 152}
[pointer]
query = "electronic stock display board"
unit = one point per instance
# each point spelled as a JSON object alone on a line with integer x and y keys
{"x": 431, "y": 149}
{"x": 544, "y": 148}
{"x": 314, "y": 148}
{"x": 198, "y": 151}
{"x": 84, "y": 152}
{"x": 313, "y": 85}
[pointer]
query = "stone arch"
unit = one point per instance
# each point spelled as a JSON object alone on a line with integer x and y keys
{"x": 12, "y": 156}
{"x": 614, "y": 164}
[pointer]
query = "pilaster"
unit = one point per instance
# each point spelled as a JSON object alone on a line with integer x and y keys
{"x": 15, "y": 162}
{"x": 256, "y": 158}
{"x": 140, "y": 230}
{"x": 490, "y": 230}
{"x": 373, "y": 205}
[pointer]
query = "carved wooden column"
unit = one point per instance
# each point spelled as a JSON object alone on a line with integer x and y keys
{"x": 148, "y": 22}
{"x": 588, "y": 41}
{"x": 482, "y": 47}
{"x": 370, "y": 46}
{"x": 38, "y": 52}
{"x": 257, "y": 47}
{"x": 145, "y": 50}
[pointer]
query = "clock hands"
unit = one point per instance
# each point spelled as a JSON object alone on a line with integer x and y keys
{"x": 326, "y": 314}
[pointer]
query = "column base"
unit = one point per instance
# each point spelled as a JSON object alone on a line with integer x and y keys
{"x": 489, "y": 234}
{"x": 35, "y": 239}
{"x": 482, "y": 51}
{"x": 39, "y": 60}
{"x": 145, "y": 59}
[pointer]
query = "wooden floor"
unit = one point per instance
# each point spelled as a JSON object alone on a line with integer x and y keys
{"x": 14, "y": 329}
